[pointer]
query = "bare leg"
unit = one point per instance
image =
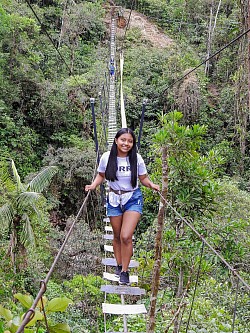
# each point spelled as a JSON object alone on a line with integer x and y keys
{"x": 116, "y": 223}
{"x": 129, "y": 223}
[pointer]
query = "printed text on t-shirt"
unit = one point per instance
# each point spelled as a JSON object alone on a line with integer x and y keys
{"x": 124, "y": 168}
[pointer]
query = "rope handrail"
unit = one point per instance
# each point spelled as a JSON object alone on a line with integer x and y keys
{"x": 42, "y": 290}
{"x": 233, "y": 270}
{"x": 43, "y": 286}
{"x": 131, "y": 9}
{"x": 54, "y": 46}
{"x": 207, "y": 59}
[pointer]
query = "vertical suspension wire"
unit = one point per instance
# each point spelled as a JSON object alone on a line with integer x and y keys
{"x": 112, "y": 120}
{"x": 105, "y": 108}
{"x": 195, "y": 287}
{"x": 122, "y": 104}
{"x": 123, "y": 115}
{"x": 103, "y": 137}
{"x": 112, "y": 110}
{"x": 125, "y": 326}
{"x": 103, "y": 118}
{"x": 105, "y": 322}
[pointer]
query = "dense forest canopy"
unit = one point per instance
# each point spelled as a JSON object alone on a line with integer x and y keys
{"x": 54, "y": 57}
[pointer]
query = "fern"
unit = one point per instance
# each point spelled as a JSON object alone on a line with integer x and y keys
{"x": 42, "y": 179}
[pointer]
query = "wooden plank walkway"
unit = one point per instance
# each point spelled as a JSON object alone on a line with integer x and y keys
{"x": 114, "y": 278}
{"x": 112, "y": 262}
{"x": 111, "y": 237}
{"x": 113, "y": 288}
{"x": 108, "y": 248}
{"x": 120, "y": 309}
{"x": 122, "y": 290}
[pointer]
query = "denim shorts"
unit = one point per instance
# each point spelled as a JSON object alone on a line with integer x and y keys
{"x": 135, "y": 204}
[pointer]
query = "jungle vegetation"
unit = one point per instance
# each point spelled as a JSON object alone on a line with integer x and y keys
{"x": 54, "y": 57}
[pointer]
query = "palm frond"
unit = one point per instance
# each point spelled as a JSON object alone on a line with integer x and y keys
{"x": 28, "y": 199}
{"x": 4, "y": 171}
{"x": 27, "y": 235}
{"x": 20, "y": 186}
{"x": 6, "y": 214}
{"x": 42, "y": 179}
{"x": 37, "y": 211}
{"x": 6, "y": 177}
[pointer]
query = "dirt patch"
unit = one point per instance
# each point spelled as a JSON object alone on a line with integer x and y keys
{"x": 150, "y": 32}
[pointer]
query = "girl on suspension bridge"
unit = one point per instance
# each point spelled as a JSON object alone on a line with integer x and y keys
{"x": 122, "y": 167}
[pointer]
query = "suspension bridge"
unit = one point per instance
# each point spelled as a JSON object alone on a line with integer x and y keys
{"x": 126, "y": 308}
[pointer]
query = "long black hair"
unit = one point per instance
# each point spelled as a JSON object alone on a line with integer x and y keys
{"x": 110, "y": 173}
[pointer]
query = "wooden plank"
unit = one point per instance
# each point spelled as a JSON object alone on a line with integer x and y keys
{"x": 114, "y": 278}
{"x": 112, "y": 262}
{"x": 123, "y": 290}
{"x": 111, "y": 236}
{"x": 121, "y": 309}
{"x": 108, "y": 248}
{"x": 108, "y": 228}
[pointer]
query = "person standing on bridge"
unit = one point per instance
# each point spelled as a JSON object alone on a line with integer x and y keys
{"x": 112, "y": 69}
{"x": 122, "y": 167}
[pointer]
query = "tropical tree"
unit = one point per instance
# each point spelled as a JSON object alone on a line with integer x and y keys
{"x": 22, "y": 205}
{"x": 191, "y": 188}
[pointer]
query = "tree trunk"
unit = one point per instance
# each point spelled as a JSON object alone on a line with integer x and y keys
{"x": 62, "y": 25}
{"x": 248, "y": 35}
{"x": 19, "y": 251}
{"x": 158, "y": 244}
{"x": 242, "y": 86}
{"x": 211, "y": 33}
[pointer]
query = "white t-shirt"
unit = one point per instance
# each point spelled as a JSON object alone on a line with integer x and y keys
{"x": 123, "y": 171}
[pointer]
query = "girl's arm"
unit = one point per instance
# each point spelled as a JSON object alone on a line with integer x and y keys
{"x": 99, "y": 179}
{"x": 147, "y": 182}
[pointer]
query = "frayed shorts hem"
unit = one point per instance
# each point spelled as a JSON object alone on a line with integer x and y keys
{"x": 116, "y": 211}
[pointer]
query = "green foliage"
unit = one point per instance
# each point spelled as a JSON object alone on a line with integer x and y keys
{"x": 134, "y": 35}
{"x": 58, "y": 304}
{"x": 227, "y": 231}
{"x": 212, "y": 309}
{"x": 147, "y": 72}
{"x": 229, "y": 227}
{"x": 44, "y": 112}
{"x": 135, "y": 323}
{"x": 192, "y": 183}
{"x": 80, "y": 286}
{"x": 195, "y": 192}
{"x": 23, "y": 202}
{"x": 179, "y": 19}
{"x": 18, "y": 142}
{"x": 76, "y": 171}
{"x": 85, "y": 291}
{"x": 34, "y": 80}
